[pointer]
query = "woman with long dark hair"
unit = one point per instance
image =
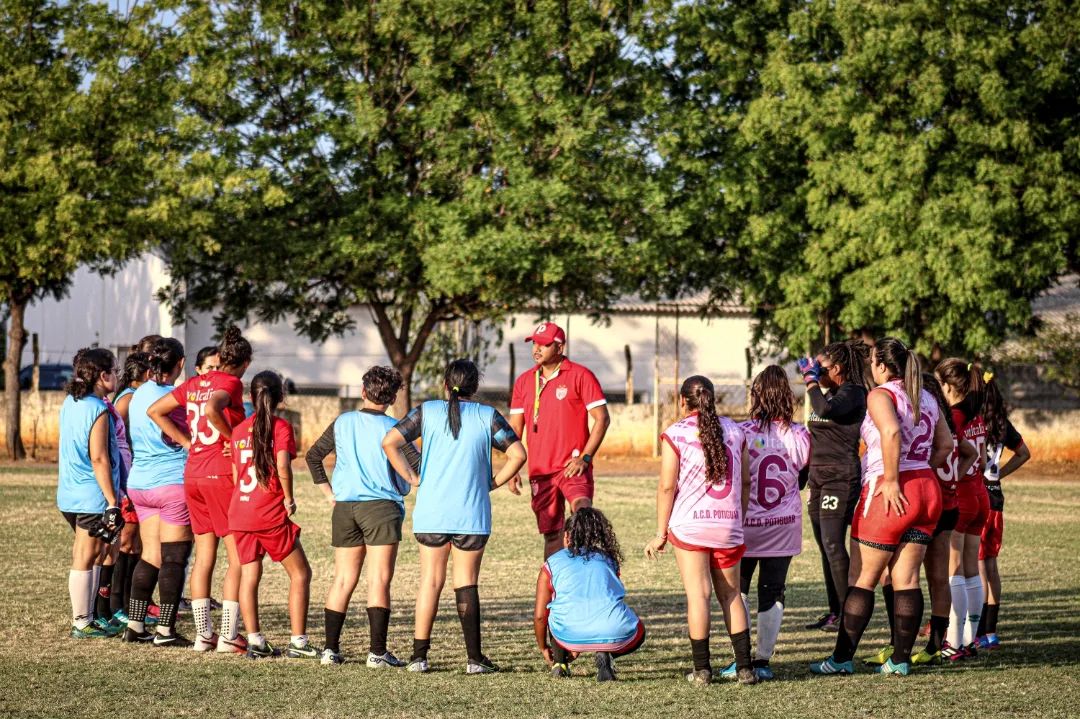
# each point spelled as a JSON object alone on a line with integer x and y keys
{"x": 837, "y": 390}
{"x": 156, "y": 487}
{"x": 88, "y": 485}
{"x": 701, "y": 500}
{"x": 259, "y": 516}
{"x": 452, "y": 516}
{"x": 214, "y": 403}
{"x": 898, "y": 509}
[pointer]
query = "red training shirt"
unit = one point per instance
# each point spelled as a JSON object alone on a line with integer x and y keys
{"x": 206, "y": 458}
{"x": 562, "y": 424}
{"x": 253, "y": 507}
{"x": 973, "y": 429}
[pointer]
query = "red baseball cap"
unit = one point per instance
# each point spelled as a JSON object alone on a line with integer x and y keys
{"x": 546, "y": 333}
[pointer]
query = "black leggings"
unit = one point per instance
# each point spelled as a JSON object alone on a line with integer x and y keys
{"x": 831, "y": 507}
{"x": 771, "y": 580}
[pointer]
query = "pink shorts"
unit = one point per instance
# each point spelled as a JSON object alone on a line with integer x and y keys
{"x": 208, "y": 501}
{"x": 168, "y": 502}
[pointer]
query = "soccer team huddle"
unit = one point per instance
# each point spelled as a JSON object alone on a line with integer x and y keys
{"x": 153, "y": 469}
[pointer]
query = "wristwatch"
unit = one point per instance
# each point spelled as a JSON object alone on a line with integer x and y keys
{"x": 586, "y": 458}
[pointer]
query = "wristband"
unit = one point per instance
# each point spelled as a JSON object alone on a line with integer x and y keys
{"x": 586, "y": 458}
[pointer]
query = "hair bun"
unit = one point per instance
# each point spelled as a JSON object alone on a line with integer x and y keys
{"x": 232, "y": 333}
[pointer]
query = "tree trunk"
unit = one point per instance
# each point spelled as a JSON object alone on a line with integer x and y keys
{"x": 403, "y": 355}
{"x": 16, "y": 341}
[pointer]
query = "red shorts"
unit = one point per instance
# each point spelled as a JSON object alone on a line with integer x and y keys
{"x": 876, "y": 526}
{"x": 551, "y": 492}
{"x": 974, "y": 507}
{"x": 992, "y": 533}
{"x": 208, "y": 504}
{"x": 278, "y": 542}
{"x": 719, "y": 557}
{"x": 127, "y": 511}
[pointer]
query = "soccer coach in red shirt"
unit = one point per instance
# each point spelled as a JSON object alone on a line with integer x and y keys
{"x": 550, "y": 409}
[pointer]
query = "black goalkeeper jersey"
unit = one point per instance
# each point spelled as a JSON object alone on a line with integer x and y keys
{"x": 834, "y": 424}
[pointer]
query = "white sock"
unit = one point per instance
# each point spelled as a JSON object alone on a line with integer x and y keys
{"x": 200, "y": 612}
{"x": 91, "y": 595}
{"x": 768, "y": 629}
{"x": 138, "y": 627}
{"x": 256, "y": 639}
{"x": 975, "y": 596}
{"x": 958, "y": 611}
{"x": 230, "y": 619}
{"x": 299, "y": 640}
{"x": 78, "y": 581}
{"x": 746, "y": 605}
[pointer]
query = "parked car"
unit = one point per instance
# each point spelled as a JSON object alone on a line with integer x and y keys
{"x": 53, "y": 376}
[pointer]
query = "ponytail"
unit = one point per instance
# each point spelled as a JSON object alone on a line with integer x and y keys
{"x": 903, "y": 364}
{"x": 994, "y": 413}
{"x": 700, "y": 395}
{"x": 851, "y": 357}
{"x": 462, "y": 379}
{"x": 913, "y": 383}
{"x": 165, "y": 354}
{"x": 136, "y": 367}
{"x": 267, "y": 392}
{"x": 966, "y": 380}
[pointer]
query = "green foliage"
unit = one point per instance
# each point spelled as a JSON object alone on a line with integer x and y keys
{"x": 430, "y": 160}
{"x": 904, "y": 168}
{"x": 470, "y": 339}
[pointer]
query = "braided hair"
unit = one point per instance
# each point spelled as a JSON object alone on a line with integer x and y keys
{"x": 462, "y": 379}
{"x": 700, "y": 395}
{"x": 771, "y": 398}
{"x": 588, "y": 531}
{"x": 851, "y": 358}
{"x": 267, "y": 392}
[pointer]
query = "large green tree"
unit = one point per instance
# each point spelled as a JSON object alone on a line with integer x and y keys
{"x": 83, "y": 94}
{"x": 908, "y": 168}
{"x": 425, "y": 160}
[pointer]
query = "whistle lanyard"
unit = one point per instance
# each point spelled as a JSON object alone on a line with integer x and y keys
{"x": 540, "y": 388}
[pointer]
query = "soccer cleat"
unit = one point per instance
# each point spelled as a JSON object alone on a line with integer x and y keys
{"x": 385, "y": 661}
{"x": 926, "y": 659}
{"x": 107, "y": 628}
{"x": 184, "y": 607}
{"x": 263, "y": 651}
{"x": 605, "y": 667}
{"x": 989, "y": 642}
{"x": 700, "y": 677}
{"x": 831, "y": 666}
{"x": 172, "y": 640}
{"x": 879, "y": 657}
{"x": 330, "y": 658}
{"x": 727, "y": 672}
{"x": 950, "y": 653}
{"x": 133, "y": 637}
{"x": 481, "y": 666}
{"x": 746, "y": 675}
{"x": 559, "y": 671}
{"x": 236, "y": 645}
{"x": 90, "y": 631}
{"x": 971, "y": 651}
{"x": 764, "y": 674}
{"x": 901, "y": 670}
{"x": 215, "y": 605}
{"x": 417, "y": 666}
{"x": 120, "y": 616}
{"x": 205, "y": 644}
{"x": 820, "y": 622}
{"x": 308, "y": 651}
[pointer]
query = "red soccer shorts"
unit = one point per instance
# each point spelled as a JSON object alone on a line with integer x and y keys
{"x": 551, "y": 492}
{"x": 974, "y": 507}
{"x": 719, "y": 557}
{"x": 877, "y": 526}
{"x": 127, "y": 511}
{"x": 992, "y": 534}
{"x": 208, "y": 504}
{"x": 278, "y": 542}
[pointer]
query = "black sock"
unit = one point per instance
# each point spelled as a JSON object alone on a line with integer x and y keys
{"x": 117, "y": 597}
{"x": 741, "y": 644}
{"x": 990, "y": 613}
{"x": 468, "y": 609}
{"x": 143, "y": 582}
{"x": 378, "y": 626}
{"x": 420, "y": 648}
{"x": 558, "y": 653}
{"x": 102, "y": 603}
{"x": 700, "y": 649}
{"x": 334, "y": 622}
{"x": 938, "y": 627}
{"x": 858, "y": 608}
{"x": 890, "y": 611}
{"x": 174, "y": 556}
{"x": 132, "y": 562}
{"x": 908, "y": 619}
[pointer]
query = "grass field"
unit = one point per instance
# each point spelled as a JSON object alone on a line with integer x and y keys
{"x": 1036, "y": 674}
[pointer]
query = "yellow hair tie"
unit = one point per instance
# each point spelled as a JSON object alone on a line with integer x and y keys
{"x": 456, "y": 389}
{"x": 987, "y": 376}
{"x": 969, "y": 367}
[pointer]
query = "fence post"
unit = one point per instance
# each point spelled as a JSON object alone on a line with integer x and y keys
{"x": 629, "y": 376}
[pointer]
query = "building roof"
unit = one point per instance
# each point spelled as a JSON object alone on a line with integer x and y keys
{"x": 1063, "y": 299}
{"x": 698, "y": 303}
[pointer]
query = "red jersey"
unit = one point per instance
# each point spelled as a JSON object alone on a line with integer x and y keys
{"x": 254, "y": 507}
{"x": 973, "y": 429}
{"x": 556, "y": 413}
{"x": 206, "y": 457}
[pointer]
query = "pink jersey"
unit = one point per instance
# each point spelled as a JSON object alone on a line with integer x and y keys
{"x": 773, "y": 523}
{"x": 704, "y": 515}
{"x": 916, "y": 440}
